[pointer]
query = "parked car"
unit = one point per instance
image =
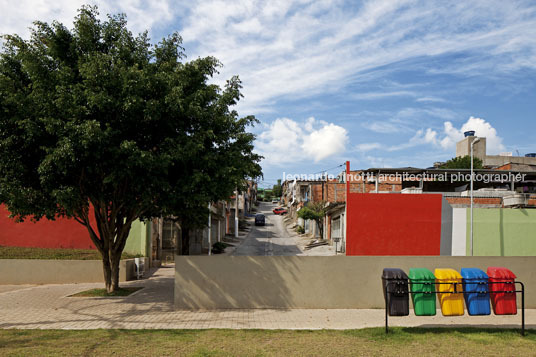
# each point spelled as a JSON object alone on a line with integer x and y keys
{"x": 260, "y": 220}
{"x": 280, "y": 210}
{"x": 275, "y": 200}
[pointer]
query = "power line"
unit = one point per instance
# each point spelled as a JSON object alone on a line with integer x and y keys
{"x": 319, "y": 172}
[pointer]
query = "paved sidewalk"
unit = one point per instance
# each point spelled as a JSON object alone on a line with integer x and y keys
{"x": 49, "y": 307}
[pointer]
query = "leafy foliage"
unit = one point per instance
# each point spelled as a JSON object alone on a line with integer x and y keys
{"x": 96, "y": 121}
{"x": 219, "y": 247}
{"x": 277, "y": 189}
{"x": 462, "y": 162}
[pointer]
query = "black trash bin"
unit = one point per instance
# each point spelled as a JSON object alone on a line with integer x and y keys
{"x": 395, "y": 291}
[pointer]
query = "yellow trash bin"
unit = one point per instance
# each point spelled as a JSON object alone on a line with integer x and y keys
{"x": 451, "y": 304}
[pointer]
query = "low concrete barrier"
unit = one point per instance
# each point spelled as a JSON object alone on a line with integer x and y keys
{"x": 223, "y": 282}
{"x": 37, "y": 271}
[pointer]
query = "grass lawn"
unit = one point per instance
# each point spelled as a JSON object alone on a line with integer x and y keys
{"x": 103, "y": 293}
{"x": 52, "y": 253}
{"x": 366, "y": 342}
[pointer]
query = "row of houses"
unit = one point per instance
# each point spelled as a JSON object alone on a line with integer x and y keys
{"x": 412, "y": 211}
{"x": 158, "y": 239}
{"x": 165, "y": 235}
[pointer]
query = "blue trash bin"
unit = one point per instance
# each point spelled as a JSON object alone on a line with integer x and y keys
{"x": 476, "y": 291}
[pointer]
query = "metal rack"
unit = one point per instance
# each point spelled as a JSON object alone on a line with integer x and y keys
{"x": 455, "y": 285}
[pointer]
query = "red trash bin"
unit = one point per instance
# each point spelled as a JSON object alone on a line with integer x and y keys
{"x": 502, "y": 303}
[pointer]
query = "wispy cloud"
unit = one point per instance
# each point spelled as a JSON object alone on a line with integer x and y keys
{"x": 142, "y": 15}
{"x": 406, "y": 119}
{"x": 296, "y": 49}
{"x": 444, "y": 140}
{"x": 430, "y": 100}
{"x": 304, "y": 48}
{"x": 381, "y": 95}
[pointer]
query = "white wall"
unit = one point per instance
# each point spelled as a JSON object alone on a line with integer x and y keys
{"x": 459, "y": 231}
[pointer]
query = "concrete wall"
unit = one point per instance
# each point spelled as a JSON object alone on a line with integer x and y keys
{"x": 446, "y": 227}
{"x": 223, "y": 282}
{"x": 497, "y": 160}
{"x": 61, "y": 233}
{"x": 36, "y": 271}
{"x": 502, "y": 232}
{"x": 137, "y": 241}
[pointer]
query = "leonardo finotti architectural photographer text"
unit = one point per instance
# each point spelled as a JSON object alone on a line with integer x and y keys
{"x": 394, "y": 177}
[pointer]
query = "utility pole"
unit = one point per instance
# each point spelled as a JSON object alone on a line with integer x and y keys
{"x": 209, "y": 229}
{"x": 472, "y": 154}
{"x": 345, "y": 230}
{"x": 236, "y": 215}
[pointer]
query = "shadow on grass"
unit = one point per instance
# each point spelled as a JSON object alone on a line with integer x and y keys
{"x": 413, "y": 334}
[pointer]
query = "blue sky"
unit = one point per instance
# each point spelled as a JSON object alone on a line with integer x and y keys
{"x": 382, "y": 84}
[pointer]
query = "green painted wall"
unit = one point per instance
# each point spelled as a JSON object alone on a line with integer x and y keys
{"x": 502, "y": 232}
{"x": 137, "y": 242}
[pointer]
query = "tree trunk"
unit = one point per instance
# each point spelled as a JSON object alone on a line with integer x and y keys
{"x": 106, "y": 267}
{"x": 185, "y": 241}
{"x": 115, "y": 271}
{"x": 110, "y": 240}
{"x": 110, "y": 265}
{"x": 320, "y": 229}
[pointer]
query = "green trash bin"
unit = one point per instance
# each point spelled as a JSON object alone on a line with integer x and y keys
{"x": 424, "y": 302}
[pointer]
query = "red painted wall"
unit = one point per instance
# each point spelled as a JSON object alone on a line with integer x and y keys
{"x": 61, "y": 233}
{"x": 393, "y": 224}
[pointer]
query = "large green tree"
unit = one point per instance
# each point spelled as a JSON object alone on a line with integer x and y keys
{"x": 96, "y": 121}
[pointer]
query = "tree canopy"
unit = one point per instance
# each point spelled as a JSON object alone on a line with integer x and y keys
{"x": 95, "y": 119}
{"x": 462, "y": 162}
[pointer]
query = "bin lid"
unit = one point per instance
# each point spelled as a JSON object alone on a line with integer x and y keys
{"x": 500, "y": 273}
{"x": 473, "y": 273}
{"x": 394, "y": 273}
{"x": 421, "y": 274}
{"x": 447, "y": 274}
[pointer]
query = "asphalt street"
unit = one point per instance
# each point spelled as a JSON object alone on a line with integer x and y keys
{"x": 271, "y": 239}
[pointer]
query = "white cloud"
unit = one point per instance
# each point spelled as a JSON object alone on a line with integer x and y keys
{"x": 327, "y": 141}
{"x": 451, "y": 135}
{"x": 288, "y": 141}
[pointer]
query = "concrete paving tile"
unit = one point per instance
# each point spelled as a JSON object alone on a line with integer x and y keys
{"x": 48, "y": 307}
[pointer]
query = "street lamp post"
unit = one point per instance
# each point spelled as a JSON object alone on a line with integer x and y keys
{"x": 472, "y": 154}
{"x": 236, "y": 215}
{"x": 209, "y": 231}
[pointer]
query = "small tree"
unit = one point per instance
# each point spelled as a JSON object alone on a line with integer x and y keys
{"x": 462, "y": 162}
{"x": 314, "y": 211}
{"x": 277, "y": 190}
{"x": 97, "y": 122}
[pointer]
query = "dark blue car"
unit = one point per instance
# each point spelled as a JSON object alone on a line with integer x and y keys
{"x": 260, "y": 220}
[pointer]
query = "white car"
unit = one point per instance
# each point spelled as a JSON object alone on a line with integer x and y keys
{"x": 275, "y": 201}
